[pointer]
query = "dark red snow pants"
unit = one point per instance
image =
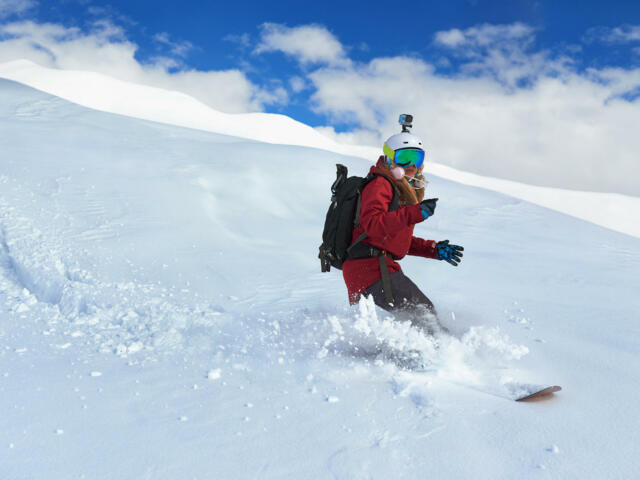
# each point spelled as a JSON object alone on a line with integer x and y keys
{"x": 410, "y": 302}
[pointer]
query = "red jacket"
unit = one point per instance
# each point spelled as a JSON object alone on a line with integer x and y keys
{"x": 389, "y": 231}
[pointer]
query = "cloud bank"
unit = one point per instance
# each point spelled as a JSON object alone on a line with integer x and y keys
{"x": 508, "y": 110}
{"x": 104, "y": 48}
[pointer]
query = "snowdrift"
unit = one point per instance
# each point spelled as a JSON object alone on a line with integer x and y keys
{"x": 162, "y": 314}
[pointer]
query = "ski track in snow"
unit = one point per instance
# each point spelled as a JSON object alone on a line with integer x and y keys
{"x": 130, "y": 319}
{"x": 122, "y": 318}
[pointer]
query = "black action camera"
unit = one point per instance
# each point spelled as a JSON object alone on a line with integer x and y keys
{"x": 406, "y": 121}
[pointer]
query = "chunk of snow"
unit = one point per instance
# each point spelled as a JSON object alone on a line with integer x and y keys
{"x": 23, "y": 307}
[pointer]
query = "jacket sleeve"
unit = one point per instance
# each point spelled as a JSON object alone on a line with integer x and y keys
{"x": 375, "y": 217}
{"x": 423, "y": 248}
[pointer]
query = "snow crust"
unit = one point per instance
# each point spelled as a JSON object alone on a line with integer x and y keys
{"x": 164, "y": 316}
{"x": 101, "y": 92}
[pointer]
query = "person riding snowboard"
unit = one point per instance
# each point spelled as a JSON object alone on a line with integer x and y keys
{"x": 390, "y": 205}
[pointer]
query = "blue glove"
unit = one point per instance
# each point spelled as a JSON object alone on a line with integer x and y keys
{"x": 450, "y": 253}
{"x": 428, "y": 207}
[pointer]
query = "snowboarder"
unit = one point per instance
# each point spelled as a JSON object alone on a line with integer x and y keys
{"x": 383, "y": 232}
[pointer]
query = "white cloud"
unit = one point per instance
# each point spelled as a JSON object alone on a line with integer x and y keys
{"x": 309, "y": 44}
{"x": 565, "y": 129}
{"x": 106, "y": 49}
{"x": 352, "y": 137}
{"x": 297, "y": 84}
{"x": 621, "y": 34}
{"x": 501, "y": 51}
{"x": 243, "y": 40}
{"x": 451, "y": 38}
{"x": 485, "y": 35}
{"x": 276, "y": 95}
{"x": 177, "y": 48}
{"x": 15, "y": 7}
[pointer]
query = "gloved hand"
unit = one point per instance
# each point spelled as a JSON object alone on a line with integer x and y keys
{"x": 450, "y": 253}
{"x": 428, "y": 207}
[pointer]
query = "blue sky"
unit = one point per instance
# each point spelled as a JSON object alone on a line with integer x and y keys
{"x": 546, "y": 92}
{"x": 223, "y": 35}
{"x": 383, "y": 28}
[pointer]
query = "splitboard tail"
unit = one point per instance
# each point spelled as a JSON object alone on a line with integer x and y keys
{"x": 537, "y": 395}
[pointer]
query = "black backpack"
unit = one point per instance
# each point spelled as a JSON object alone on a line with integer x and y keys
{"x": 342, "y": 216}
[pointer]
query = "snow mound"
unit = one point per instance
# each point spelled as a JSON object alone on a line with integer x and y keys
{"x": 108, "y": 94}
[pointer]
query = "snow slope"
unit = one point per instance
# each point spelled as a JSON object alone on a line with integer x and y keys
{"x": 162, "y": 315}
{"x": 100, "y": 92}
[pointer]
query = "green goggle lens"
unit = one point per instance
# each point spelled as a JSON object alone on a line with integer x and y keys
{"x": 409, "y": 156}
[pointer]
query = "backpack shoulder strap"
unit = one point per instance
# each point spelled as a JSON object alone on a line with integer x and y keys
{"x": 393, "y": 206}
{"x": 396, "y": 193}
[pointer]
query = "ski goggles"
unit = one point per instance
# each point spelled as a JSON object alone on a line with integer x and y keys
{"x": 405, "y": 157}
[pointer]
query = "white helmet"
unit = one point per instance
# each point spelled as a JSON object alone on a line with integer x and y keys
{"x": 400, "y": 141}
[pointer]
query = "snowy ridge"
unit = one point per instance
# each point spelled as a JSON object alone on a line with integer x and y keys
{"x": 162, "y": 317}
{"x": 617, "y": 212}
{"x": 104, "y": 93}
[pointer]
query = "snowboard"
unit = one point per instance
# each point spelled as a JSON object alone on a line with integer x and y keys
{"x": 539, "y": 394}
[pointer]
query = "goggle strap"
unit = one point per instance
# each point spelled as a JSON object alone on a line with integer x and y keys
{"x": 388, "y": 151}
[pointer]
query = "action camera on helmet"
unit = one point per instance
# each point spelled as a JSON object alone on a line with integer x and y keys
{"x": 406, "y": 121}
